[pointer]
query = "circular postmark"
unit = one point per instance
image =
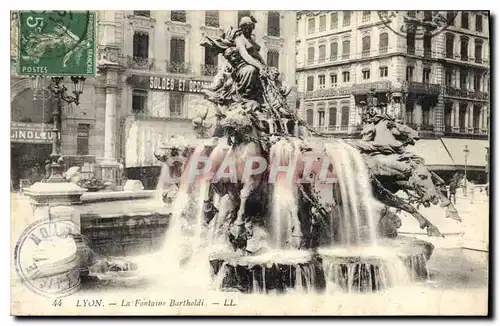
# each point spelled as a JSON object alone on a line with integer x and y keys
{"x": 46, "y": 258}
{"x": 417, "y": 23}
{"x": 54, "y": 34}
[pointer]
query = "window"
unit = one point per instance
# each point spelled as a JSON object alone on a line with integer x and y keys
{"x": 273, "y": 59}
{"x": 310, "y": 83}
{"x": 82, "y": 139}
{"x": 212, "y": 18}
{"x": 310, "y": 117}
{"x": 142, "y": 13}
{"x": 141, "y": 45}
{"x": 211, "y": 62}
{"x": 448, "y": 77}
{"x": 464, "y": 48}
{"x": 384, "y": 72}
{"x": 409, "y": 73}
{"x": 479, "y": 23}
{"x": 273, "y": 23}
{"x": 344, "y": 118}
{"x": 241, "y": 14}
{"x": 409, "y": 112}
{"x": 427, "y": 15}
{"x": 322, "y": 23}
{"x": 347, "y": 18}
{"x": 477, "y": 82}
{"x": 465, "y": 20}
{"x": 332, "y": 117}
{"x": 310, "y": 55}
{"x": 177, "y": 49}
{"x": 176, "y": 101}
{"x": 464, "y": 75}
{"x": 345, "y": 76}
{"x": 334, "y": 48}
{"x": 178, "y": 16}
{"x": 426, "y": 75}
{"x": 478, "y": 52}
{"x": 346, "y": 49}
{"x": 366, "y": 73}
{"x": 334, "y": 20}
{"x": 366, "y": 46}
{"x": 321, "y": 81}
{"x": 139, "y": 101}
{"x": 321, "y": 118}
{"x": 448, "y": 108}
{"x": 366, "y": 16}
{"x": 333, "y": 80}
{"x": 462, "y": 109}
{"x": 311, "y": 25}
{"x": 476, "y": 112}
{"x": 450, "y": 41}
{"x": 427, "y": 45}
{"x": 450, "y": 18}
{"x": 412, "y": 14}
{"x": 426, "y": 115}
{"x": 384, "y": 42}
{"x": 322, "y": 53}
{"x": 410, "y": 42}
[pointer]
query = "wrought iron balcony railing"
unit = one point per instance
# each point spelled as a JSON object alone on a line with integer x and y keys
{"x": 209, "y": 70}
{"x": 212, "y": 21}
{"x": 178, "y": 16}
{"x": 140, "y": 63}
{"x": 178, "y": 67}
{"x": 448, "y": 128}
{"x": 410, "y": 50}
{"x": 422, "y": 87}
{"x": 464, "y": 93}
{"x": 273, "y": 31}
{"x": 427, "y": 127}
{"x": 142, "y": 13}
{"x": 382, "y": 49}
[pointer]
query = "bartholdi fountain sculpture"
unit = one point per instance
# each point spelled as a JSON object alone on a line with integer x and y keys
{"x": 285, "y": 226}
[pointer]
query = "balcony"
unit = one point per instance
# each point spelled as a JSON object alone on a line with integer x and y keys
{"x": 140, "y": 63}
{"x": 142, "y": 13}
{"x": 382, "y": 49}
{"x": 178, "y": 16}
{"x": 410, "y": 50}
{"x": 478, "y": 60}
{"x": 328, "y": 92}
{"x": 427, "y": 53}
{"x": 464, "y": 93}
{"x": 448, "y": 129}
{"x": 178, "y": 67}
{"x": 273, "y": 31}
{"x": 209, "y": 70}
{"x": 449, "y": 55}
{"x": 464, "y": 57}
{"x": 417, "y": 87}
{"x": 365, "y": 53}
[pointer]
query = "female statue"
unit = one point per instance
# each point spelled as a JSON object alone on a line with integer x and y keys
{"x": 239, "y": 81}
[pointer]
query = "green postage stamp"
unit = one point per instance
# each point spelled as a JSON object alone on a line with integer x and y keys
{"x": 57, "y": 43}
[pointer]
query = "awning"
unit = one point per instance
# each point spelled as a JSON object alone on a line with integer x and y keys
{"x": 143, "y": 137}
{"x": 434, "y": 152}
{"x": 476, "y": 157}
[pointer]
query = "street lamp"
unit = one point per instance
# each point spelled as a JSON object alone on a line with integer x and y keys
{"x": 58, "y": 91}
{"x": 466, "y": 154}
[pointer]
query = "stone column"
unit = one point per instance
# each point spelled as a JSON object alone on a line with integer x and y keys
{"x": 110, "y": 165}
{"x": 452, "y": 116}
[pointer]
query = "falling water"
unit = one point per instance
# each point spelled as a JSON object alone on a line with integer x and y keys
{"x": 357, "y": 198}
{"x": 284, "y": 195}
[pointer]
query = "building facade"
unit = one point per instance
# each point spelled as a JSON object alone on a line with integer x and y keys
{"x": 437, "y": 74}
{"x": 159, "y": 66}
{"x": 151, "y": 68}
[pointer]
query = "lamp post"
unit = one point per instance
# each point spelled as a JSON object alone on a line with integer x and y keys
{"x": 466, "y": 154}
{"x": 59, "y": 93}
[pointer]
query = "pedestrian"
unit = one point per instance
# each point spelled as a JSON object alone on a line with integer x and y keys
{"x": 453, "y": 187}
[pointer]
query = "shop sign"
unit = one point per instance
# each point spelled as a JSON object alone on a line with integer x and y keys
{"x": 22, "y": 132}
{"x": 177, "y": 84}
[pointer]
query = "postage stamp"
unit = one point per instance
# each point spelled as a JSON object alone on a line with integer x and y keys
{"x": 418, "y": 24}
{"x": 57, "y": 43}
{"x": 46, "y": 259}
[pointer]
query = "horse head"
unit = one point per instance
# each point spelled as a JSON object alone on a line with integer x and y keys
{"x": 236, "y": 121}
{"x": 421, "y": 182}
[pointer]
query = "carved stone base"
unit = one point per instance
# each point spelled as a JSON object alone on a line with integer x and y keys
{"x": 54, "y": 194}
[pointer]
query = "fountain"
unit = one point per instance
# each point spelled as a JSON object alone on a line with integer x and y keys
{"x": 268, "y": 205}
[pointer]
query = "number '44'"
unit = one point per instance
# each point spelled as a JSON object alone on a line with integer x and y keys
{"x": 57, "y": 303}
